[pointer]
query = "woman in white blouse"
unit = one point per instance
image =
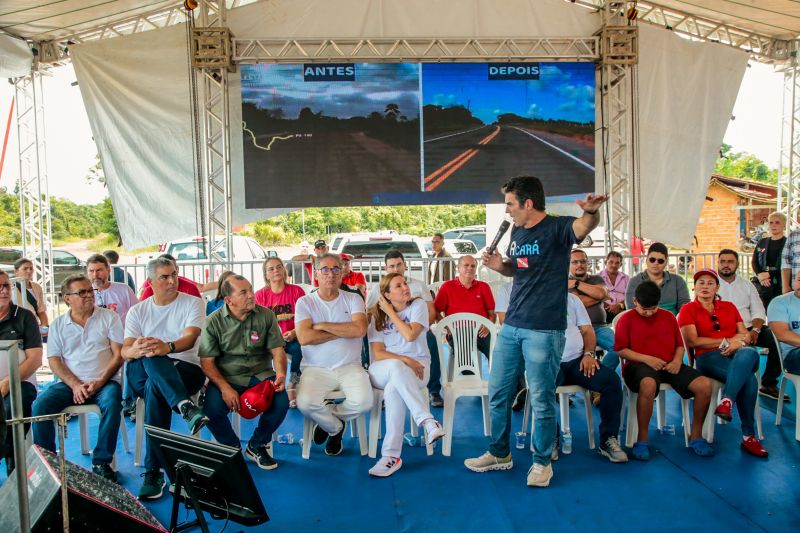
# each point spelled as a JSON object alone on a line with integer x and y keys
{"x": 400, "y": 366}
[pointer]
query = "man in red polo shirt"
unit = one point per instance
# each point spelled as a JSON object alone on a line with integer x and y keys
{"x": 465, "y": 294}
{"x": 352, "y": 279}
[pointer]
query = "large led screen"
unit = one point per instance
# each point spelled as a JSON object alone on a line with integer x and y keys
{"x": 319, "y": 135}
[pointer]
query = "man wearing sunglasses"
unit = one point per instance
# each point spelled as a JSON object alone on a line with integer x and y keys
{"x": 592, "y": 292}
{"x": 330, "y": 324}
{"x": 674, "y": 292}
{"x": 17, "y": 324}
{"x": 84, "y": 351}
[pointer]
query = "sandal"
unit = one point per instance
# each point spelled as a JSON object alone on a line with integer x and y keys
{"x": 701, "y": 447}
{"x": 641, "y": 451}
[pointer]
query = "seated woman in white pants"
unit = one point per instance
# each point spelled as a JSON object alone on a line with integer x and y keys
{"x": 400, "y": 367}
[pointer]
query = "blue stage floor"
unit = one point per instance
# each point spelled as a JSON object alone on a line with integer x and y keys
{"x": 674, "y": 491}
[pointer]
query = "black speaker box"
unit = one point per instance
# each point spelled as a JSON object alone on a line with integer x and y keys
{"x": 94, "y": 503}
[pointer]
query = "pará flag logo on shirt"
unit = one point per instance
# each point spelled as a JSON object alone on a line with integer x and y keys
{"x": 522, "y": 262}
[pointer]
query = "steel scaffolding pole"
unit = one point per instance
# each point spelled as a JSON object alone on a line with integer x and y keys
{"x": 34, "y": 197}
{"x": 789, "y": 167}
{"x": 211, "y": 61}
{"x": 618, "y": 111}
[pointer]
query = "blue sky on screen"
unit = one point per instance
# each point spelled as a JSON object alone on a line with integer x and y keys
{"x": 377, "y": 84}
{"x": 563, "y": 91}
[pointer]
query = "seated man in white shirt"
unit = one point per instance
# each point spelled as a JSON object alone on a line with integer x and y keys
{"x": 581, "y": 366}
{"x": 395, "y": 262}
{"x": 163, "y": 367}
{"x": 743, "y": 294}
{"x": 330, "y": 325}
{"x": 84, "y": 351}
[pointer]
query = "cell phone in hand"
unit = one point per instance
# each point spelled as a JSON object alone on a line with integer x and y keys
{"x": 724, "y": 345}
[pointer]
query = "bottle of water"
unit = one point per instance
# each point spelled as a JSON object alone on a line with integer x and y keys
{"x": 286, "y": 438}
{"x": 411, "y": 440}
{"x": 667, "y": 429}
{"x": 566, "y": 442}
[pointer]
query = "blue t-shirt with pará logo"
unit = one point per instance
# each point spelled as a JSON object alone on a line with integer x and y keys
{"x": 540, "y": 257}
{"x": 785, "y": 308}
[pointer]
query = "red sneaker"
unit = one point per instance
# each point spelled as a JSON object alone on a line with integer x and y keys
{"x": 752, "y": 446}
{"x": 723, "y": 410}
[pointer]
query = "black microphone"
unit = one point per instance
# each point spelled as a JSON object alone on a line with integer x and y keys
{"x": 500, "y": 232}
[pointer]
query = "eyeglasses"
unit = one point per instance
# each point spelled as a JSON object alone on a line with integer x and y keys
{"x": 83, "y": 293}
{"x": 579, "y": 261}
{"x": 326, "y": 270}
{"x": 715, "y": 320}
{"x": 656, "y": 260}
{"x": 5, "y": 286}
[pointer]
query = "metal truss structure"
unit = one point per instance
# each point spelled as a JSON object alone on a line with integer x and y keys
{"x": 211, "y": 62}
{"x": 762, "y": 47}
{"x": 618, "y": 112}
{"x": 34, "y": 199}
{"x": 789, "y": 169}
{"x": 417, "y": 49}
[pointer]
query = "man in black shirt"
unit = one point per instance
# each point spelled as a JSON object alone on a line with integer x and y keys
{"x": 18, "y": 324}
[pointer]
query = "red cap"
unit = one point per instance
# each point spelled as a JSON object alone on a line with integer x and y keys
{"x": 346, "y": 257}
{"x": 256, "y": 399}
{"x": 707, "y": 272}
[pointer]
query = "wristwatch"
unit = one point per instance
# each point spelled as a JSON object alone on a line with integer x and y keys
{"x": 171, "y": 347}
{"x": 592, "y": 354}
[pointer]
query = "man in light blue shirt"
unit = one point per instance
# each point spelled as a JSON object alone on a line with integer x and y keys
{"x": 784, "y": 321}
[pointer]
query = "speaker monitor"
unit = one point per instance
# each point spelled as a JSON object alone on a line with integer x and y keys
{"x": 94, "y": 503}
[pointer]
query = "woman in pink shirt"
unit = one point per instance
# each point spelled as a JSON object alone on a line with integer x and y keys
{"x": 281, "y": 298}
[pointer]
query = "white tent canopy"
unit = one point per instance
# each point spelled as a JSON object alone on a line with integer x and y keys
{"x": 687, "y": 89}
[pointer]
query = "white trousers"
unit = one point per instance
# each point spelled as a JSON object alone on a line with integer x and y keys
{"x": 401, "y": 389}
{"x": 316, "y": 383}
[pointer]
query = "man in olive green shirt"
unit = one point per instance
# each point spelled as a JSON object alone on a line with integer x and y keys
{"x": 240, "y": 343}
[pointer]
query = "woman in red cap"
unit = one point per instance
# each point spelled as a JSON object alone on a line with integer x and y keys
{"x": 401, "y": 365}
{"x": 716, "y": 332}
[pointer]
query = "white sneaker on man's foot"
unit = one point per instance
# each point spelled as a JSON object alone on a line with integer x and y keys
{"x": 433, "y": 430}
{"x": 386, "y": 466}
{"x": 540, "y": 475}
{"x": 487, "y": 462}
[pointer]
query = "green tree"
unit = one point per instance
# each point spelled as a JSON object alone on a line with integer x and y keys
{"x": 743, "y": 165}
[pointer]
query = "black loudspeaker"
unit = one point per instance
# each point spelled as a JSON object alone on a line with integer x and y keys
{"x": 94, "y": 503}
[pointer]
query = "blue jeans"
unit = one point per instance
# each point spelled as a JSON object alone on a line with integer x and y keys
{"x": 538, "y": 353}
{"x": 605, "y": 340}
{"x": 28, "y": 396}
{"x": 607, "y": 383}
{"x": 435, "y": 378}
{"x": 736, "y": 373}
{"x": 220, "y": 425}
{"x": 163, "y": 383}
{"x": 58, "y": 397}
{"x": 791, "y": 361}
{"x": 295, "y": 354}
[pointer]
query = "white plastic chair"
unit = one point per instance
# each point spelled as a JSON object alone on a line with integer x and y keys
{"x": 661, "y": 414}
{"x": 434, "y": 288}
{"x": 358, "y": 424}
{"x": 375, "y": 422}
{"x": 137, "y": 456}
{"x": 564, "y": 393}
{"x": 795, "y": 379}
{"x": 463, "y": 328}
{"x": 82, "y": 411}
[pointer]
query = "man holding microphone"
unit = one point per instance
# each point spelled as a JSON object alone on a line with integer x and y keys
{"x": 532, "y": 336}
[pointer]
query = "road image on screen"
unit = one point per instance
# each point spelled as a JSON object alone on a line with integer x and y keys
{"x": 486, "y": 122}
{"x": 319, "y": 135}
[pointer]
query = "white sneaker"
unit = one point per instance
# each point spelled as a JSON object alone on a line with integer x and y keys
{"x": 540, "y": 475}
{"x": 487, "y": 462}
{"x": 386, "y": 466}
{"x": 433, "y": 430}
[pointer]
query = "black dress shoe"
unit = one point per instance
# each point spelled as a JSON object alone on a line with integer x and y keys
{"x": 334, "y": 446}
